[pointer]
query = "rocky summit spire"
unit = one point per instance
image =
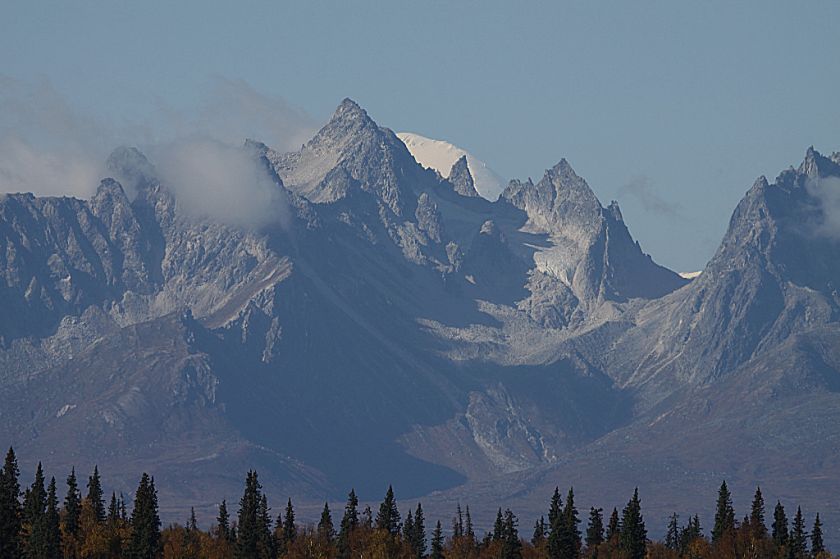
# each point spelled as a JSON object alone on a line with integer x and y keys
{"x": 349, "y": 109}
{"x": 351, "y": 153}
{"x": 348, "y": 120}
{"x": 461, "y": 178}
{"x": 131, "y": 168}
{"x": 560, "y": 200}
{"x": 816, "y": 165}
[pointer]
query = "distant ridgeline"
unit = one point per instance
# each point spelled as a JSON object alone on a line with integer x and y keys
{"x": 34, "y": 524}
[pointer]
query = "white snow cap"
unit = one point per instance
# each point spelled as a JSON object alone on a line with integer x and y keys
{"x": 440, "y": 156}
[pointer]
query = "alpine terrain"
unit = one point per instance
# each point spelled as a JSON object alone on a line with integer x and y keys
{"x": 395, "y": 324}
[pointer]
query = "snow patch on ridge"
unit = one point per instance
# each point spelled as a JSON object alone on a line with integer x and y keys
{"x": 440, "y": 156}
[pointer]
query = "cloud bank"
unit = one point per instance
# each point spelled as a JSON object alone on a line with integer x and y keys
{"x": 45, "y": 146}
{"x": 228, "y": 183}
{"x": 50, "y": 148}
{"x": 826, "y": 191}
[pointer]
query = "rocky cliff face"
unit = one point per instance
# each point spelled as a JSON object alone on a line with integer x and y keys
{"x": 394, "y": 315}
{"x": 772, "y": 278}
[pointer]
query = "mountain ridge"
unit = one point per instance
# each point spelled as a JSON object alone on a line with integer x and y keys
{"x": 396, "y": 314}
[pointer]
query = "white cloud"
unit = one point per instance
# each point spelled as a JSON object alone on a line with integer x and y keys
{"x": 826, "y": 191}
{"x": 45, "y": 146}
{"x": 48, "y": 147}
{"x": 213, "y": 179}
{"x": 231, "y": 111}
{"x": 23, "y": 168}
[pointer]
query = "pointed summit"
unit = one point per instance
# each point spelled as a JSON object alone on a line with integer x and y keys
{"x": 816, "y": 165}
{"x": 561, "y": 199}
{"x": 131, "y": 168}
{"x": 562, "y": 168}
{"x": 461, "y": 178}
{"x": 349, "y": 119}
{"x": 349, "y": 126}
{"x": 351, "y": 153}
{"x": 349, "y": 109}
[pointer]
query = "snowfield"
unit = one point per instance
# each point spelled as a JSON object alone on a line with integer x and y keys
{"x": 440, "y": 156}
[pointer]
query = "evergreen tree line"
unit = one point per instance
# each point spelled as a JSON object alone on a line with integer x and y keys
{"x": 35, "y": 525}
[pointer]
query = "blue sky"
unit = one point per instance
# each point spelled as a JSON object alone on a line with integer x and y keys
{"x": 673, "y": 108}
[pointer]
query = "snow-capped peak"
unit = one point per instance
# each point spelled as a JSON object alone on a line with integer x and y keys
{"x": 440, "y": 156}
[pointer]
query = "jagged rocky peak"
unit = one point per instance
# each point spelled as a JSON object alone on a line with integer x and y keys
{"x": 560, "y": 201}
{"x": 774, "y": 273}
{"x": 615, "y": 211}
{"x": 348, "y": 122}
{"x": 129, "y": 166}
{"x": 774, "y": 218}
{"x": 256, "y": 147}
{"x": 461, "y": 179}
{"x": 816, "y": 165}
{"x": 109, "y": 188}
{"x": 351, "y": 153}
{"x": 109, "y": 199}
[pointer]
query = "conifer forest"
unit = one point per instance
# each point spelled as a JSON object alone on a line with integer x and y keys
{"x": 77, "y": 520}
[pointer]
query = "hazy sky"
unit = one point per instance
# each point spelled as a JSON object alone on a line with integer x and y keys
{"x": 673, "y": 108}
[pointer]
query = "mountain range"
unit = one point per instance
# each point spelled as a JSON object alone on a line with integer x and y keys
{"x": 394, "y": 326}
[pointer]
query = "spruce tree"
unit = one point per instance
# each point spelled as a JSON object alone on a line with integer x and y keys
{"x": 367, "y": 518}
{"x": 408, "y": 528}
{"x": 595, "y": 528}
{"x": 95, "y": 495}
{"x": 469, "y": 533}
{"x": 123, "y": 513}
{"x": 223, "y": 523}
{"x": 349, "y": 522}
{"x": 192, "y": 537}
{"x": 248, "y": 535}
{"x": 539, "y": 532}
{"x": 817, "y": 545}
{"x": 388, "y": 517}
{"x": 724, "y": 515}
{"x": 511, "y": 546}
{"x": 557, "y": 527}
{"x": 672, "y": 535}
{"x": 418, "y": 540}
{"x": 113, "y": 508}
{"x": 437, "y": 543}
{"x": 780, "y": 525}
{"x": 265, "y": 542}
{"x": 10, "y": 509}
{"x": 571, "y": 543}
{"x": 798, "y": 536}
{"x": 192, "y": 524}
{"x": 34, "y": 517}
{"x": 326, "y": 531}
{"x": 458, "y": 522}
{"x": 633, "y": 535}
{"x": 289, "y": 527}
{"x": 72, "y": 506}
{"x": 691, "y": 532}
{"x": 613, "y": 527}
{"x": 53, "y": 523}
{"x": 145, "y": 542}
{"x": 499, "y": 527}
{"x": 757, "y": 523}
